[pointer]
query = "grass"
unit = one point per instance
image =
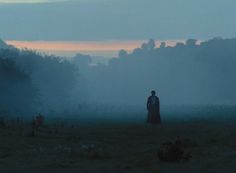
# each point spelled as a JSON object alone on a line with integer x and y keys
{"x": 119, "y": 146}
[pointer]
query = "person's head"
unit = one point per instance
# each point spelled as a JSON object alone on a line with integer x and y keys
{"x": 153, "y": 93}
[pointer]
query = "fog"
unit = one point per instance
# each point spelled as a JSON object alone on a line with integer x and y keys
{"x": 187, "y": 74}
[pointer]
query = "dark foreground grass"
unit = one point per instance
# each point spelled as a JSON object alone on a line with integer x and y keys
{"x": 116, "y": 146}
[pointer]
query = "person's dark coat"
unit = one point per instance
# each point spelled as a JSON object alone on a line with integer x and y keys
{"x": 153, "y": 107}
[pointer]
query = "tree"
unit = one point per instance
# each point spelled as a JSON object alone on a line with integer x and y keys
{"x": 191, "y": 42}
{"x": 150, "y": 45}
{"x": 163, "y": 45}
{"x": 122, "y": 53}
{"x": 18, "y": 96}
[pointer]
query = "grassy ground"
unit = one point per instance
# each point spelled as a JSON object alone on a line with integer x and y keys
{"x": 117, "y": 147}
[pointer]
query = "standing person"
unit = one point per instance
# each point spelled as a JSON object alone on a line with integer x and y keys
{"x": 153, "y": 107}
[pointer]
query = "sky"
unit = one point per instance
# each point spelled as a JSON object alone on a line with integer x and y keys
{"x": 101, "y": 21}
{"x": 106, "y": 49}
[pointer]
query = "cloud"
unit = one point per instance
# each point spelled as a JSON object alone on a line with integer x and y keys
{"x": 114, "y": 19}
{"x": 29, "y": 1}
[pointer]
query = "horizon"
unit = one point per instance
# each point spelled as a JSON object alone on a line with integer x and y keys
{"x": 106, "y": 49}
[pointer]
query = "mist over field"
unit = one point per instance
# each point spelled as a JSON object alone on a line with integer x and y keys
{"x": 187, "y": 74}
{"x": 115, "y": 86}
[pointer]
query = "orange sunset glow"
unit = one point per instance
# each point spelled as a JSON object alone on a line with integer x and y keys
{"x": 83, "y": 46}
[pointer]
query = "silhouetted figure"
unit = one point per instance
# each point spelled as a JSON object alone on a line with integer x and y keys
{"x": 153, "y": 107}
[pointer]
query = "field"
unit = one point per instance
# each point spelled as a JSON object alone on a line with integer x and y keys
{"x": 119, "y": 147}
